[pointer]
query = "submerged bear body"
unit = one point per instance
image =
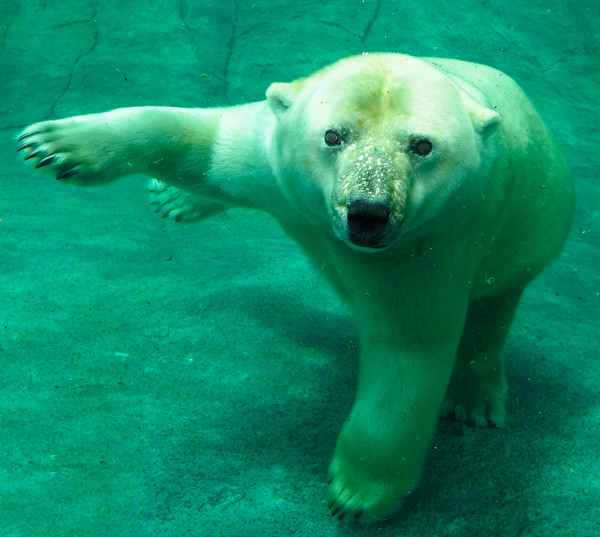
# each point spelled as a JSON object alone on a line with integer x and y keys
{"x": 429, "y": 191}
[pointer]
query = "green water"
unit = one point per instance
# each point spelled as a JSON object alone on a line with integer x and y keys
{"x": 164, "y": 380}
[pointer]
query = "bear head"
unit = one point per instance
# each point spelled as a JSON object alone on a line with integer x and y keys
{"x": 377, "y": 145}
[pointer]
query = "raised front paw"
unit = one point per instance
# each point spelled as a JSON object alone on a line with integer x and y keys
{"x": 80, "y": 149}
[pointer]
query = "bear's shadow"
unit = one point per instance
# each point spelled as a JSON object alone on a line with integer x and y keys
{"x": 471, "y": 474}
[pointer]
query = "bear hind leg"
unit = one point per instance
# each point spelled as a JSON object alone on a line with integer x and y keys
{"x": 179, "y": 205}
{"x": 476, "y": 394}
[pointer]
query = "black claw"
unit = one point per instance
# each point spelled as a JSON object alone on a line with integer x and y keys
{"x": 336, "y": 510}
{"x": 358, "y": 514}
{"x": 341, "y": 517}
{"x": 33, "y": 154}
{"x": 27, "y": 145}
{"x": 67, "y": 173}
{"x": 25, "y": 135}
{"x": 46, "y": 161}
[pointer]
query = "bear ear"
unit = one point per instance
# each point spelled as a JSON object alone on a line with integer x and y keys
{"x": 485, "y": 120}
{"x": 281, "y": 95}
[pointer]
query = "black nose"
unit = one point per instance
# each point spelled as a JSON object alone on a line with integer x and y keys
{"x": 367, "y": 222}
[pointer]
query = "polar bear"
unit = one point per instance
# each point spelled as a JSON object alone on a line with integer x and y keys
{"x": 430, "y": 193}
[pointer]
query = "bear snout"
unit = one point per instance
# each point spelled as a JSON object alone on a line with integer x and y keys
{"x": 367, "y": 223}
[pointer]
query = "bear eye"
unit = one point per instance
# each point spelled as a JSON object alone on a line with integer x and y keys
{"x": 422, "y": 148}
{"x": 333, "y": 138}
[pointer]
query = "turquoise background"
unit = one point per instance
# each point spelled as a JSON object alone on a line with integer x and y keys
{"x": 165, "y": 380}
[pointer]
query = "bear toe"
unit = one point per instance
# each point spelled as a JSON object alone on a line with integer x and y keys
{"x": 46, "y": 148}
{"x": 354, "y": 497}
{"x": 489, "y": 412}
